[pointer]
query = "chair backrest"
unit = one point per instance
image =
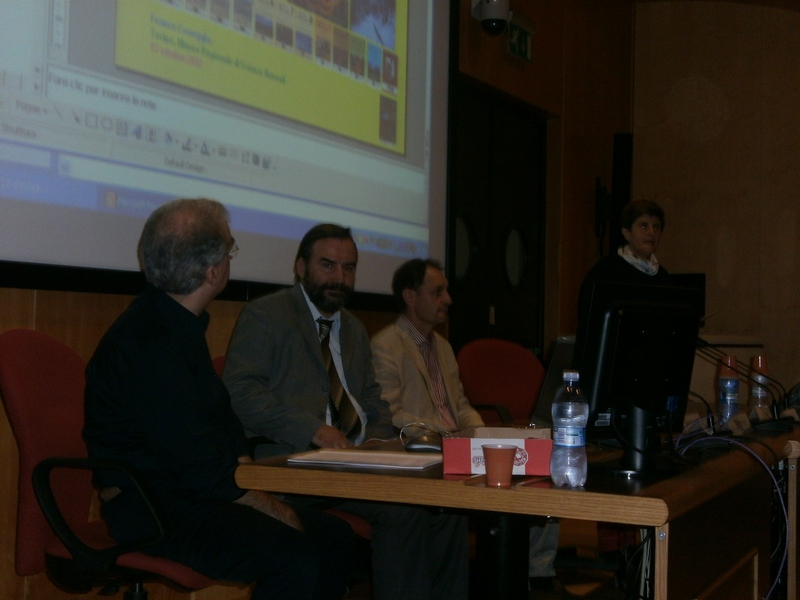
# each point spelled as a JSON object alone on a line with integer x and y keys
{"x": 497, "y": 371}
{"x": 219, "y": 364}
{"x": 42, "y": 382}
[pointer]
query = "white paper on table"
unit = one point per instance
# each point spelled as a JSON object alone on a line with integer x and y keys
{"x": 368, "y": 458}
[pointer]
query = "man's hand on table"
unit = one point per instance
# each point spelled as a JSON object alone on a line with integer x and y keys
{"x": 330, "y": 437}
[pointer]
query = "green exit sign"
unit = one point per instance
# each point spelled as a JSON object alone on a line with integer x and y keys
{"x": 519, "y": 41}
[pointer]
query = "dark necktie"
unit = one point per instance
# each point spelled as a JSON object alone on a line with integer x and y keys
{"x": 343, "y": 414}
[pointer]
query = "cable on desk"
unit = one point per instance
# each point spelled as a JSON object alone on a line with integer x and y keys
{"x": 743, "y": 446}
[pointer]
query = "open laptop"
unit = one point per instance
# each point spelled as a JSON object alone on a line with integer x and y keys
{"x": 560, "y": 359}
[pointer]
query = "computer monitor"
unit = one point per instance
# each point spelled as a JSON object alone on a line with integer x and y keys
{"x": 635, "y": 351}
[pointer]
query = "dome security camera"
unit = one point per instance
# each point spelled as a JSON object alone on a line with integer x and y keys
{"x": 494, "y": 15}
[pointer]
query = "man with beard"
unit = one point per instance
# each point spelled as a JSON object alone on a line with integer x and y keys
{"x": 277, "y": 372}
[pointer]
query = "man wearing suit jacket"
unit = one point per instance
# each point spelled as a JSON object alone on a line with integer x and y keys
{"x": 419, "y": 378}
{"x": 282, "y": 390}
{"x": 414, "y": 365}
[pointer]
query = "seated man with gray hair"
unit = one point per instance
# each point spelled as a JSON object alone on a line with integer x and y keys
{"x": 154, "y": 402}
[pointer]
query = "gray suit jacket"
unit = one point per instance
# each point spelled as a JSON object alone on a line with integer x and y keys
{"x": 276, "y": 377}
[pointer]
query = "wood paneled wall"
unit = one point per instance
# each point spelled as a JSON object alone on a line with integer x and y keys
{"x": 80, "y": 320}
{"x": 580, "y": 74}
{"x": 717, "y": 144}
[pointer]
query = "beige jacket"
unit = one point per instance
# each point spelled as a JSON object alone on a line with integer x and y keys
{"x": 406, "y": 385}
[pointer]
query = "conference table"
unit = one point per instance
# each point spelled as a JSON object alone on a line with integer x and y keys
{"x": 710, "y": 523}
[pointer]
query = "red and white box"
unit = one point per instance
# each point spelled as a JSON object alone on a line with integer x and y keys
{"x": 463, "y": 455}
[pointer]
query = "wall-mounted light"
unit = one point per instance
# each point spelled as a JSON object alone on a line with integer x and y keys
{"x": 494, "y": 15}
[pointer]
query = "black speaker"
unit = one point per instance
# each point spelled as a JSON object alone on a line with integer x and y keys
{"x": 620, "y": 185}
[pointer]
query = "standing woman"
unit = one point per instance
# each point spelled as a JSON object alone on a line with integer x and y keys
{"x": 642, "y": 224}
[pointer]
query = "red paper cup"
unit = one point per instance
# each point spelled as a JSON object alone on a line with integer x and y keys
{"x": 499, "y": 461}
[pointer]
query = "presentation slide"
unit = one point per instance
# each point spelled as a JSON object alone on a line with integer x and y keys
{"x": 289, "y": 112}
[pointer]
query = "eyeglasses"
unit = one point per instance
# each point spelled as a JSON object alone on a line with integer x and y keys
{"x": 234, "y": 249}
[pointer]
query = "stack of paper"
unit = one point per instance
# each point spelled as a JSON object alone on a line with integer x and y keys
{"x": 367, "y": 458}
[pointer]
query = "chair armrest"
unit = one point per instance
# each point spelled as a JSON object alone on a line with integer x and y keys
{"x": 89, "y": 558}
{"x": 502, "y": 412}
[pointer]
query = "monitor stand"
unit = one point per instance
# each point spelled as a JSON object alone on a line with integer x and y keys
{"x": 641, "y": 449}
{"x": 638, "y": 456}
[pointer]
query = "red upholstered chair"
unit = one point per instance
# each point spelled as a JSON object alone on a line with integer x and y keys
{"x": 42, "y": 384}
{"x": 501, "y": 379}
{"x": 219, "y": 364}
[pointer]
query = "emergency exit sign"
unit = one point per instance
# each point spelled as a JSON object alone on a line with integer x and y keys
{"x": 519, "y": 41}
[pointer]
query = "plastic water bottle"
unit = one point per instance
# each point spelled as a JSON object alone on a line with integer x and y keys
{"x": 760, "y": 408}
{"x": 570, "y": 412}
{"x": 728, "y": 383}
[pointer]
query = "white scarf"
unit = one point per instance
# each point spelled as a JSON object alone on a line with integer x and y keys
{"x": 648, "y": 267}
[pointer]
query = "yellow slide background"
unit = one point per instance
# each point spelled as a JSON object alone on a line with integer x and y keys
{"x": 177, "y": 46}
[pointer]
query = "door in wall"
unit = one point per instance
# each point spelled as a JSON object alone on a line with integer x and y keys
{"x": 496, "y": 217}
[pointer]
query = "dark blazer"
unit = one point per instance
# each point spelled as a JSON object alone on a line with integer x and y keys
{"x": 276, "y": 377}
{"x": 616, "y": 269}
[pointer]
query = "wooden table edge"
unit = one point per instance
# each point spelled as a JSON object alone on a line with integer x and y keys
{"x": 520, "y": 499}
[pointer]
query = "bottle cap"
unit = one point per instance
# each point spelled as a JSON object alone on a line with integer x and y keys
{"x": 728, "y": 366}
{"x": 758, "y": 368}
{"x": 758, "y": 364}
{"x": 571, "y": 376}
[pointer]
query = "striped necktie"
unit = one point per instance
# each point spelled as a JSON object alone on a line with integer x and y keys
{"x": 343, "y": 414}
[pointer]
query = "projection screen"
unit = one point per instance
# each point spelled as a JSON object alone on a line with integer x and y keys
{"x": 289, "y": 112}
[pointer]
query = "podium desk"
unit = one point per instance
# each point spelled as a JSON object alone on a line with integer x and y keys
{"x": 711, "y": 523}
